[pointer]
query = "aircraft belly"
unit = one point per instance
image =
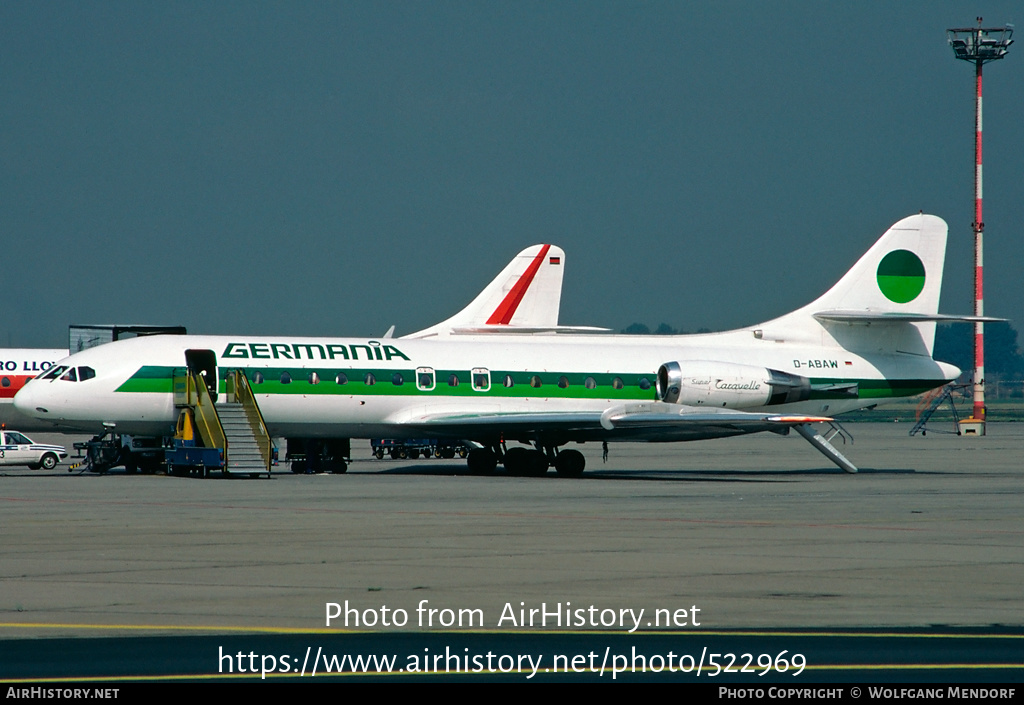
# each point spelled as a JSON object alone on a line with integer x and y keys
{"x": 325, "y": 417}
{"x": 135, "y": 414}
{"x": 394, "y": 416}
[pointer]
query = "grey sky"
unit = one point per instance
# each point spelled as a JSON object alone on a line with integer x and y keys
{"x": 335, "y": 168}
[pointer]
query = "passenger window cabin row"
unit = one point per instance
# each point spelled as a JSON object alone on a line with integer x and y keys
{"x": 425, "y": 380}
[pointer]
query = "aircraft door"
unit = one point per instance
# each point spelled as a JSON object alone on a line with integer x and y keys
{"x": 204, "y": 364}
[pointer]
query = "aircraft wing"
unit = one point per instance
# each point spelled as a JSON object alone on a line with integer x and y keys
{"x": 644, "y": 421}
{"x": 648, "y": 421}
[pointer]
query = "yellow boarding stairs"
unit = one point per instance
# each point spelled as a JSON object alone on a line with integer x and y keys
{"x": 233, "y": 424}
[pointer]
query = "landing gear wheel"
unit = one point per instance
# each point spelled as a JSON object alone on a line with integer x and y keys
{"x": 537, "y": 464}
{"x": 482, "y": 462}
{"x": 570, "y": 463}
{"x": 131, "y": 465}
{"x": 515, "y": 461}
{"x": 524, "y": 462}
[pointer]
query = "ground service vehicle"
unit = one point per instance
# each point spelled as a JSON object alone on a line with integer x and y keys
{"x": 400, "y": 449}
{"x": 18, "y": 449}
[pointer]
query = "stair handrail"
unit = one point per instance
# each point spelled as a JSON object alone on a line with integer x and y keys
{"x": 207, "y": 419}
{"x": 243, "y": 394}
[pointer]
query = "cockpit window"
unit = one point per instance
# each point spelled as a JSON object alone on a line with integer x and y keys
{"x": 70, "y": 374}
{"x": 54, "y": 372}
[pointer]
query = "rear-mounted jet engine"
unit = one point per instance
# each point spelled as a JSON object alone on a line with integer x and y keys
{"x": 729, "y": 385}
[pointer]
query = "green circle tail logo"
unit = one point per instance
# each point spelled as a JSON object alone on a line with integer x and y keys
{"x": 901, "y": 276}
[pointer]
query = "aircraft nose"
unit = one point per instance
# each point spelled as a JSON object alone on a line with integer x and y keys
{"x": 31, "y": 402}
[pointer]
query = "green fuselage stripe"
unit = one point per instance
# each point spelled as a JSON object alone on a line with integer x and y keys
{"x": 873, "y": 388}
{"x": 158, "y": 380}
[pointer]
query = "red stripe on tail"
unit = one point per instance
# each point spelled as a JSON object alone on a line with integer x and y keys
{"x": 507, "y": 308}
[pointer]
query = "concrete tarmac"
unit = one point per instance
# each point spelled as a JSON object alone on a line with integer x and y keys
{"x": 755, "y": 532}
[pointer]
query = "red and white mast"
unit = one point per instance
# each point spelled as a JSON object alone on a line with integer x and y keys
{"x": 979, "y": 45}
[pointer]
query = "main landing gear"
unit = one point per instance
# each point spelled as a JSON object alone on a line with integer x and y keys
{"x": 527, "y": 462}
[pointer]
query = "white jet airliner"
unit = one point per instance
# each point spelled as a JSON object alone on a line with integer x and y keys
{"x": 867, "y": 340}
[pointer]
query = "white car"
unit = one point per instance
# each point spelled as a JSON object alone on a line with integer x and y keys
{"x": 18, "y": 449}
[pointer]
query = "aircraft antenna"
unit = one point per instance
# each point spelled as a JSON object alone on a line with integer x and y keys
{"x": 978, "y": 45}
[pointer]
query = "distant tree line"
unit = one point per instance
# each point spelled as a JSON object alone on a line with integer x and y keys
{"x": 1004, "y": 363}
{"x": 663, "y": 329}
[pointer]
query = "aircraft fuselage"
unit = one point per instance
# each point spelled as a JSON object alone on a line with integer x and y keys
{"x": 362, "y": 388}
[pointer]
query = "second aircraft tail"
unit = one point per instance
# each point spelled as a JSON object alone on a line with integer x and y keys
{"x": 525, "y": 295}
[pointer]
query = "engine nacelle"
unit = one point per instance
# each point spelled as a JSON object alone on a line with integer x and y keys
{"x": 728, "y": 384}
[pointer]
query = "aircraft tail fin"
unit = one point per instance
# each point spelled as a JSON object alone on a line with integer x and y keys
{"x": 525, "y": 295}
{"x": 888, "y": 300}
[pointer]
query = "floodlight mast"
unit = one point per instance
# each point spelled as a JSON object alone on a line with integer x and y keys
{"x": 979, "y": 45}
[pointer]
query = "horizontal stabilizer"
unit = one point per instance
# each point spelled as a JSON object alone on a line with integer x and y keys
{"x": 529, "y": 330}
{"x": 868, "y": 317}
